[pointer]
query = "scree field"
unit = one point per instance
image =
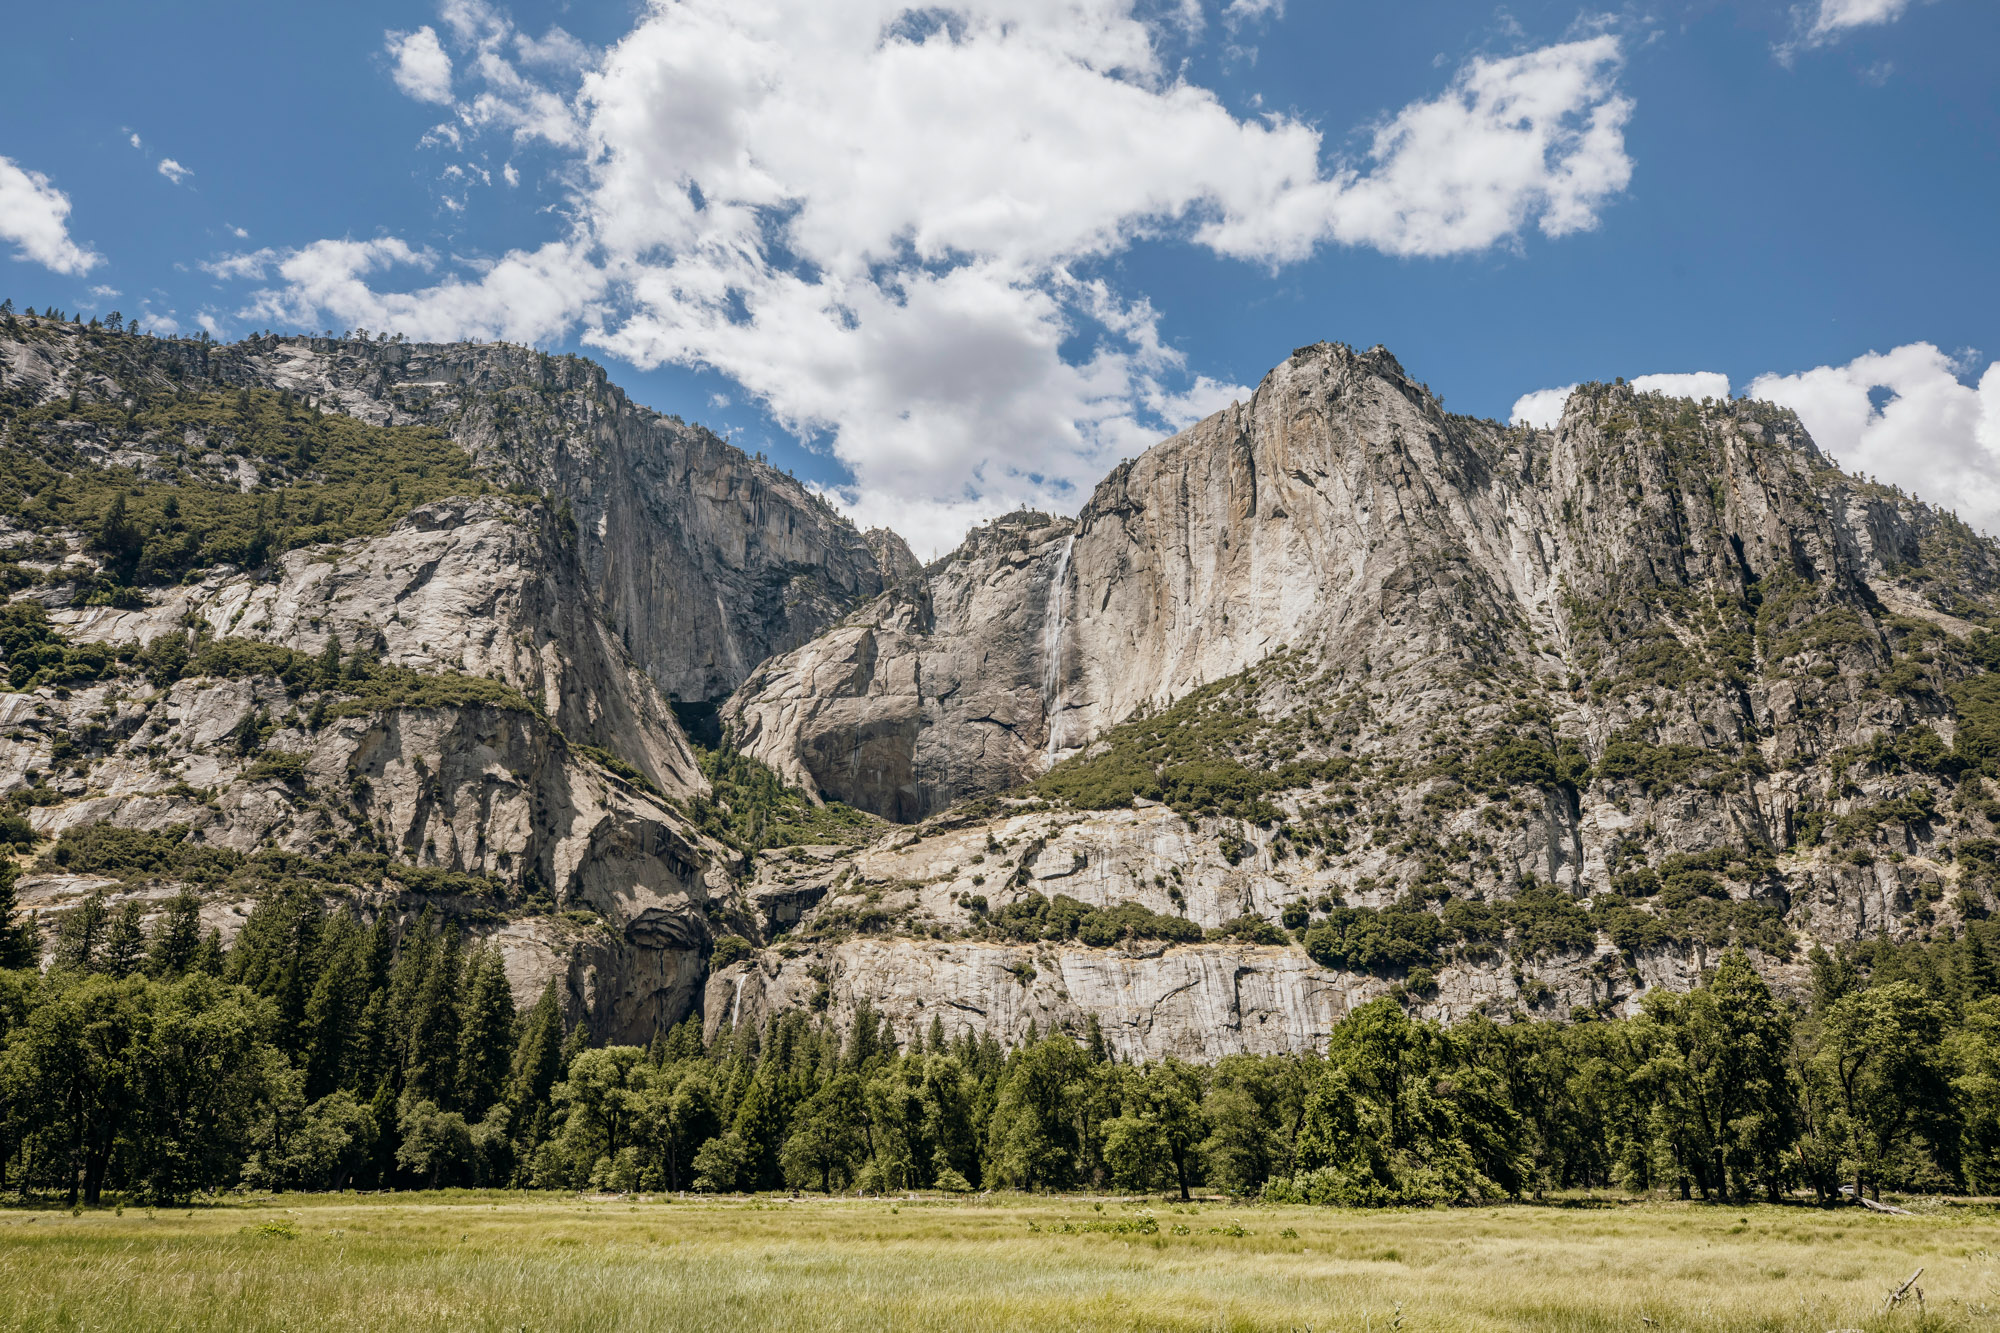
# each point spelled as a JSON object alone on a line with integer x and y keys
{"x": 474, "y": 1261}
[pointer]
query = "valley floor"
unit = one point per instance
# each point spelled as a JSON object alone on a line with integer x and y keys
{"x": 463, "y": 1260}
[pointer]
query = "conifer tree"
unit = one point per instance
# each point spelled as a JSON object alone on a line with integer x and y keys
{"x": 80, "y": 937}
{"x": 432, "y": 1068}
{"x": 328, "y": 668}
{"x": 17, "y": 941}
{"x": 176, "y": 937}
{"x": 210, "y": 959}
{"x": 124, "y": 941}
{"x": 485, "y": 1033}
{"x": 537, "y": 1055}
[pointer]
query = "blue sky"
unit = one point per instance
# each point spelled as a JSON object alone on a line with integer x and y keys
{"x": 948, "y": 261}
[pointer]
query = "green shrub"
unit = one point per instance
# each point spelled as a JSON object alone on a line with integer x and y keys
{"x": 37, "y": 654}
{"x": 278, "y": 766}
{"x": 328, "y": 478}
{"x": 1034, "y": 917}
{"x": 1363, "y": 939}
{"x": 1250, "y": 930}
{"x": 750, "y": 808}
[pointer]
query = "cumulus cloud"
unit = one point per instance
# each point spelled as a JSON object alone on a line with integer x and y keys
{"x": 529, "y": 296}
{"x": 1541, "y": 409}
{"x": 173, "y": 170}
{"x": 1238, "y": 11}
{"x": 34, "y": 219}
{"x": 248, "y": 264}
{"x": 1906, "y": 417}
{"x": 1535, "y": 138}
{"x": 1698, "y": 385}
{"x": 422, "y": 69}
{"x": 882, "y": 221}
{"x": 1544, "y": 407}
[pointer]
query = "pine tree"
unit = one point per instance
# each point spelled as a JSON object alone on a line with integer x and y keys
{"x": 431, "y": 1066}
{"x": 329, "y": 662}
{"x": 125, "y": 941}
{"x": 537, "y": 1064}
{"x": 278, "y": 953}
{"x": 17, "y": 939}
{"x": 176, "y": 937}
{"x": 760, "y": 1126}
{"x": 80, "y": 937}
{"x": 336, "y": 1010}
{"x": 485, "y": 1033}
{"x": 684, "y": 1042}
{"x": 210, "y": 959}
{"x": 1977, "y": 975}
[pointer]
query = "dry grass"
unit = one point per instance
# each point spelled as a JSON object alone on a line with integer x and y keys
{"x": 508, "y": 1261}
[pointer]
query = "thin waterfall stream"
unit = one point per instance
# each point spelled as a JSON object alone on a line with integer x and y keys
{"x": 1055, "y": 617}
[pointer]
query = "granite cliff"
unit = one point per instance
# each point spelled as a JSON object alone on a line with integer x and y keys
{"x": 1496, "y": 717}
{"x": 1334, "y": 695}
{"x": 517, "y": 573}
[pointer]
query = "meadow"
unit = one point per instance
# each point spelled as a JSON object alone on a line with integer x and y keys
{"x": 470, "y": 1260}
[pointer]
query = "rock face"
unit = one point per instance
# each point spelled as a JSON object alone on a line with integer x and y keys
{"x": 703, "y": 560}
{"x": 1594, "y": 703}
{"x": 1342, "y": 513}
{"x": 629, "y": 555}
{"x": 491, "y": 795}
{"x": 488, "y": 587}
{"x": 1662, "y": 637}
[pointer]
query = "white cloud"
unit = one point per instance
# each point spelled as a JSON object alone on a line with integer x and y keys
{"x": 1541, "y": 409}
{"x": 1836, "y": 16}
{"x": 173, "y": 170}
{"x": 1698, "y": 385}
{"x": 1544, "y": 407}
{"x": 880, "y": 221}
{"x": 511, "y": 176}
{"x": 422, "y": 68}
{"x": 136, "y": 143}
{"x": 1530, "y": 139}
{"x": 1817, "y": 24}
{"x": 249, "y": 264}
{"x": 1240, "y": 11}
{"x": 239, "y": 233}
{"x": 104, "y": 293}
{"x": 526, "y": 297}
{"x": 1905, "y": 417}
{"x": 34, "y": 218}
{"x": 554, "y": 49}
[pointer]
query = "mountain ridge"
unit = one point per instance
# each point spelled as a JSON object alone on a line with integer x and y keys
{"x": 1332, "y": 696}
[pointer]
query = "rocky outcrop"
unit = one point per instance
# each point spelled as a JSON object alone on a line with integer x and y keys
{"x": 1663, "y": 671}
{"x": 1343, "y": 514}
{"x": 1198, "y": 1002}
{"x": 494, "y": 796}
{"x": 703, "y": 560}
{"x": 487, "y": 587}
{"x": 1665, "y": 642}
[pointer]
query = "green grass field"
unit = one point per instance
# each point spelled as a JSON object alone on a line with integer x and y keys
{"x": 508, "y": 1261}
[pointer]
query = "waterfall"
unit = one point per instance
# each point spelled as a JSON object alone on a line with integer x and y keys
{"x": 1055, "y": 615}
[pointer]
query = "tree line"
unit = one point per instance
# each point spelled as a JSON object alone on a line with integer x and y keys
{"x": 322, "y": 1050}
